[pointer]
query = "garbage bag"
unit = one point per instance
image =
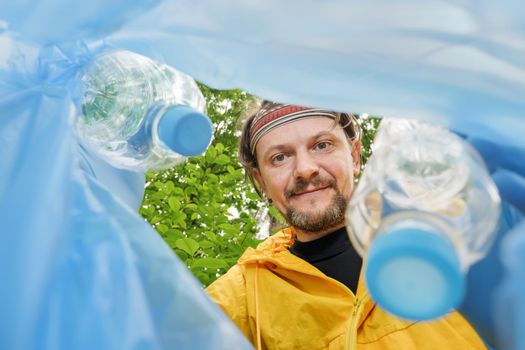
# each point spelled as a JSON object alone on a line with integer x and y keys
{"x": 80, "y": 268}
{"x": 458, "y": 64}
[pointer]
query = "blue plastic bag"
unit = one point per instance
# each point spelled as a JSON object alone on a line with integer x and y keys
{"x": 52, "y": 21}
{"x": 458, "y": 64}
{"x": 80, "y": 268}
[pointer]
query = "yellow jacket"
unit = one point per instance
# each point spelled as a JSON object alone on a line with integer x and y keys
{"x": 280, "y": 301}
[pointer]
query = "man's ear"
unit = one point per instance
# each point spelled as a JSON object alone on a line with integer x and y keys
{"x": 356, "y": 156}
{"x": 260, "y": 182}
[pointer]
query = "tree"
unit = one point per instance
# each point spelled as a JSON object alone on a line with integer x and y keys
{"x": 202, "y": 208}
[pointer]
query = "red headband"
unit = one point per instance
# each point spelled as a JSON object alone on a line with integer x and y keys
{"x": 278, "y": 115}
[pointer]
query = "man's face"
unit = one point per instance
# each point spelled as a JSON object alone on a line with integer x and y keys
{"x": 307, "y": 169}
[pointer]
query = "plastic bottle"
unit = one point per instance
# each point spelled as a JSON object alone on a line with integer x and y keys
{"x": 140, "y": 115}
{"x": 425, "y": 209}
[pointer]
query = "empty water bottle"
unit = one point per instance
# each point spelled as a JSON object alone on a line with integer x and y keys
{"x": 425, "y": 209}
{"x": 139, "y": 114}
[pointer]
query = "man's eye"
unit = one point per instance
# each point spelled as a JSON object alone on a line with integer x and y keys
{"x": 323, "y": 145}
{"x": 279, "y": 158}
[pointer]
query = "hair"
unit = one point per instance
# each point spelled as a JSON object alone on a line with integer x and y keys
{"x": 347, "y": 121}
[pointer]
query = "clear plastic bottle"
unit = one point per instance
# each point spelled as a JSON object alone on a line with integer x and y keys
{"x": 139, "y": 114}
{"x": 424, "y": 211}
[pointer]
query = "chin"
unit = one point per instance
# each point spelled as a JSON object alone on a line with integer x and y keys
{"x": 314, "y": 206}
{"x": 314, "y": 213}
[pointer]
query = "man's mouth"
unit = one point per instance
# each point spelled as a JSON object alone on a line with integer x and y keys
{"x": 311, "y": 191}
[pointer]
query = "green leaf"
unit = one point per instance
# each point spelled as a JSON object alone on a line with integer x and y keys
{"x": 211, "y": 236}
{"x": 187, "y": 245}
{"x": 190, "y": 190}
{"x": 178, "y": 191}
{"x": 211, "y": 153}
{"x": 171, "y": 240}
{"x": 206, "y": 244}
{"x": 182, "y": 222}
{"x": 162, "y": 228}
{"x": 230, "y": 229}
{"x": 211, "y": 263}
{"x": 155, "y": 220}
{"x": 173, "y": 235}
{"x": 223, "y": 159}
{"x": 219, "y": 147}
{"x": 213, "y": 178}
{"x": 191, "y": 206}
{"x": 174, "y": 203}
{"x": 168, "y": 187}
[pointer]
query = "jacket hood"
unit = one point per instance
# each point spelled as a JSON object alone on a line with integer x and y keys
{"x": 269, "y": 248}
{"x": 274, "y": 253}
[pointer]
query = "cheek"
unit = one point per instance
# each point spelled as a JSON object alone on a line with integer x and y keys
{"x": 276, "y": 183}
{"x": 344, "y": 176}
{"x": 348, "y": 184}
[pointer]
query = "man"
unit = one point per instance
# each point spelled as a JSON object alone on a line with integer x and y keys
{"x": 301, "y": 288}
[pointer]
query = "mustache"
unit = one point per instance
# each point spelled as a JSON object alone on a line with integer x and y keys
{"x": 302, "y": 184}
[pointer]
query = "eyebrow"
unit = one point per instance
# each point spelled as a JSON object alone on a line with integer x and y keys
{"x": 281, "y": 147}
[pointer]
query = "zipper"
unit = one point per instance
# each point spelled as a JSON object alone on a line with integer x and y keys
{"x": 351, "y": 332}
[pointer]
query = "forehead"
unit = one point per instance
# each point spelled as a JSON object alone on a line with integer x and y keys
{"x": 298, "y": 132}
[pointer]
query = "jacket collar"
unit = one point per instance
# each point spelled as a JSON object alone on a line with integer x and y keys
{"x": 274, "y": 253}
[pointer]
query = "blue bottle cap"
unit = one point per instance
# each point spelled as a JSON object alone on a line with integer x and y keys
{"x": 185, "y": 131}
{"x": 414, "y": 274}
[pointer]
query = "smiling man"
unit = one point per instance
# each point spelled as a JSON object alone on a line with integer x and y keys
{"x": 301, "y": 288}
{"x": 307, "y": 169}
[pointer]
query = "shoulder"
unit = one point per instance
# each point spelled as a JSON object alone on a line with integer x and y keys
{"x": 229, "y": 290}
{"x": 276, "y": 243}
{"x": 232, "y": 283}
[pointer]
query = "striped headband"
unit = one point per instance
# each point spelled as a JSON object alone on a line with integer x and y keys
{"x": 278, "y": 115}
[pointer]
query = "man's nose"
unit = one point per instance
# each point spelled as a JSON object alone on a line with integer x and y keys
{"x": 306, "y": 166}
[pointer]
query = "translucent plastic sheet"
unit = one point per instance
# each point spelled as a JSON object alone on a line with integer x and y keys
{"x": 80, "y": 269}
{"x": 457, "y": 63}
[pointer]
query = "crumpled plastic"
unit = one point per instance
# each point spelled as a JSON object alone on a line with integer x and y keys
{"x": 497, "y": 281}
{"x": 80, "y": 269}
{"x": 455, "y": 63}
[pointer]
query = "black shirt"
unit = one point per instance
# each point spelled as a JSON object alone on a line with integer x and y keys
{"x": 333, "y": 255}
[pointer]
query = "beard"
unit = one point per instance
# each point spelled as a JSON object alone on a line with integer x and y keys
{"x": 320, "y": 220}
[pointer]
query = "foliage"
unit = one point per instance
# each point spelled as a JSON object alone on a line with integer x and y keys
{"x": 369, "y": 125}
{"x": 203, "y": 208}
